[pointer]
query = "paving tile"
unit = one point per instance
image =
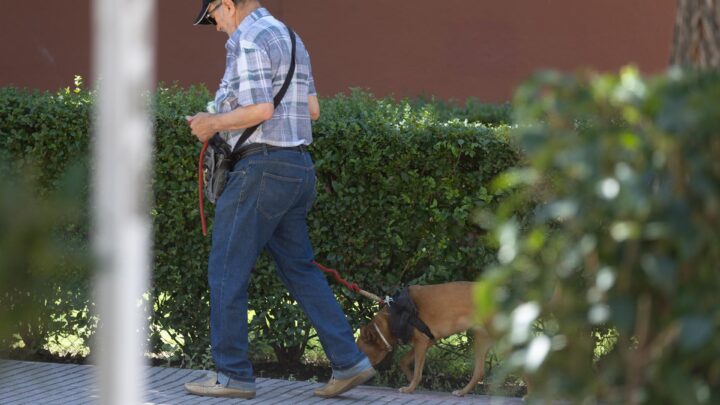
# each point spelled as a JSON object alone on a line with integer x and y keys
{"x": 70, "y": 384}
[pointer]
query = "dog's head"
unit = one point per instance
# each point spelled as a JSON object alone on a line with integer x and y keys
{"x": 371, "y": 342}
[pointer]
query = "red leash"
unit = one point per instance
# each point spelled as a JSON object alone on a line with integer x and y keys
{"x": 201, "y": 160}
{"x": 350, "y": 286}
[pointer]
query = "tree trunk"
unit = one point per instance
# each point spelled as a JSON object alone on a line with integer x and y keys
{"x": 697, "y": 34}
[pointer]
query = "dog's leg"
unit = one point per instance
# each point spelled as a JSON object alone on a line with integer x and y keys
{"x": 420, "y": 347}
{"x": 482, "y": 345}
{"x": 405, "y": 361}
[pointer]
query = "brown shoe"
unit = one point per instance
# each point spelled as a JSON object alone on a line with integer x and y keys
{"x": 211, "y": 388}
{"x": 336, "y": 387}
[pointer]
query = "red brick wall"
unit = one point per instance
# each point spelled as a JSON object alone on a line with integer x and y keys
{"x": 446, "y": 48}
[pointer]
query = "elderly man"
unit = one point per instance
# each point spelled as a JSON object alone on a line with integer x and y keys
{"x": 266, "y": 199}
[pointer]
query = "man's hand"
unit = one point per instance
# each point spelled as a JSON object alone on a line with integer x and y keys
{"x": 203, "y": 126}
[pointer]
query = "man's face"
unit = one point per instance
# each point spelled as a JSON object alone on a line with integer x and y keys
{"x": 221, "y": 12}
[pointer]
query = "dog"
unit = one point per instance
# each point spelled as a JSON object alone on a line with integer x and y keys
{"x": 446, "y": 309}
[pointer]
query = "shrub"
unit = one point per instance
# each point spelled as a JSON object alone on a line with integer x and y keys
{"x": 43, "y": 228}
{"x": 474, "y": 110}
{"x": 397, "y": 186}
{"x": 618, "y": 260}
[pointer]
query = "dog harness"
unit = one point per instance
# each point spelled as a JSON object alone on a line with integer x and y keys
{"x": 404, "y": 317}
{"x": 388, "y": 346}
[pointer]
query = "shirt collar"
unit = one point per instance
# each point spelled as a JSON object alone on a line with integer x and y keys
{"x": 245, "y": 24}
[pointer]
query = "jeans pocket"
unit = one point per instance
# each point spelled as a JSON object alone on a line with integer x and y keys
{"x": 237, "y": 181}
{"x": 277, "y": 194}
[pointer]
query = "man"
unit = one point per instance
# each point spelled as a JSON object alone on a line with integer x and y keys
{"x": 266, "y": 199}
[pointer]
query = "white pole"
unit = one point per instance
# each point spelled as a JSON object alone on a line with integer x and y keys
{"x": 124, "y": 67}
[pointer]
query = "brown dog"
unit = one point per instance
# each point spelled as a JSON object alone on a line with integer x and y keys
{"x": 446, "y": 309}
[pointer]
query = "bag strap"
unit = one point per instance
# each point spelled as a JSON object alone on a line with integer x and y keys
{"x": 278, "y": 97}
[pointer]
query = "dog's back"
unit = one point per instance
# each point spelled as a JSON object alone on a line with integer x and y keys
{"x": 446, "y": 308}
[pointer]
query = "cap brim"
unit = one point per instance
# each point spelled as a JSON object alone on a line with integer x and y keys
{"x": 202, "y": 18}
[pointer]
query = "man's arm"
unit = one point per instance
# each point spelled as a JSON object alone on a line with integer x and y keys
{"x": 314, "y": 107}
{"x": 204, "y": 125}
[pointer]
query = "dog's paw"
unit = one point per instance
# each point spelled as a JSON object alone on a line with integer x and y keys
{"x": 407, "y": 390}
{"x": 458, "y": 393}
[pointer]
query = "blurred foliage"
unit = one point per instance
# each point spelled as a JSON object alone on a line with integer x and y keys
{"x": 44, "y": 291}
{"x": 609, "y": 243}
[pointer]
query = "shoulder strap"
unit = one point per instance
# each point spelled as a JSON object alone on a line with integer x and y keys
{"x": 278, "y": 97}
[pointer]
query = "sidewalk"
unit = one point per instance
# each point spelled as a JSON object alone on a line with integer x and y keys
{"x": 51, "y": 383}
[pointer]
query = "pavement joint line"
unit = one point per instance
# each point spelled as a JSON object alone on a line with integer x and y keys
{"x": 20, "y": 366}
{"x": 22, "y": 377}
{"x": 177, "y": 381}
{"x": 13, "y": 366}
{"x": 164, "y": 386}
{"x": 82, "y": 372}
{"x": 59, "y": 397}
{"x": 306, "y": 394}
{"x": 42, "y": 367}
{"x": 167, "y": 377}
{"x": 161, "y": 375}
{"x": 265, "y": 400}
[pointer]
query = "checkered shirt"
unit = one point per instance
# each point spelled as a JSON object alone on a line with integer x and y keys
{"x": 258, "y": 60}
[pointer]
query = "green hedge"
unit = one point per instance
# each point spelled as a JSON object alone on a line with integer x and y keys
{"x": 397, "y": 185}
{"x": 473, "y": 110}
{"x": 618, "y": 262}
{"x": 44, "y": 280}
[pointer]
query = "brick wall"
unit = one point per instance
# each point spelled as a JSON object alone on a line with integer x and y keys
{"x": 445, "y": 48}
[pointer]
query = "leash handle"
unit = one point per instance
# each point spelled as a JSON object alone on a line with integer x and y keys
{"x": 372, "y": 296}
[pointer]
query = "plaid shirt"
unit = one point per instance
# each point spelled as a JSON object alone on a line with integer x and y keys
{"x": 258, "y": 60}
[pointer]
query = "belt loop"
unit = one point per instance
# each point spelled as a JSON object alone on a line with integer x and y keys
{"x": 264, "y": 149}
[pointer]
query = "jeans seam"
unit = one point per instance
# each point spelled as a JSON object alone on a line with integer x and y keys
{"x": 313, "y": 193}
{"x": 280, "y": 163}
{"x": 329, "y": 352}
{"x": 225, "y": 263}
{"x": 243, "y": 173}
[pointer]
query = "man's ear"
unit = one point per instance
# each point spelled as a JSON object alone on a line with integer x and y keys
{"x": 229, "y": 6}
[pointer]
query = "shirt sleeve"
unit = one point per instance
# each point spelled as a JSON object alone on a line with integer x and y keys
{"x": 312, "y": 91}
{"x": 254, "y": 73}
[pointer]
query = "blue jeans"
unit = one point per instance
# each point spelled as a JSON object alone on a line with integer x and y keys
{"x": 265, "y": 205}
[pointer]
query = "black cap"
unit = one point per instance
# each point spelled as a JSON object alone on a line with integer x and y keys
{"x": 202, "y": 18}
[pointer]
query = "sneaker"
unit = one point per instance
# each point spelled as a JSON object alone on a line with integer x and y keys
{"x": 211, "y": 388}
{"x": 336, "y": 387}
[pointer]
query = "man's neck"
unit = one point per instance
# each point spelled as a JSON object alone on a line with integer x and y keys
{"x": 245, "y": 10}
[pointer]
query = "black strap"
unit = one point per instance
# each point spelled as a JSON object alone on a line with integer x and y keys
{"x": 421, "y": 326}
{"x": 404, "y": 315}
{"x": 276, "y": 101}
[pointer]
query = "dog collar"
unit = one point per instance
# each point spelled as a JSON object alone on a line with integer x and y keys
{"x": 387, "y": 345}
